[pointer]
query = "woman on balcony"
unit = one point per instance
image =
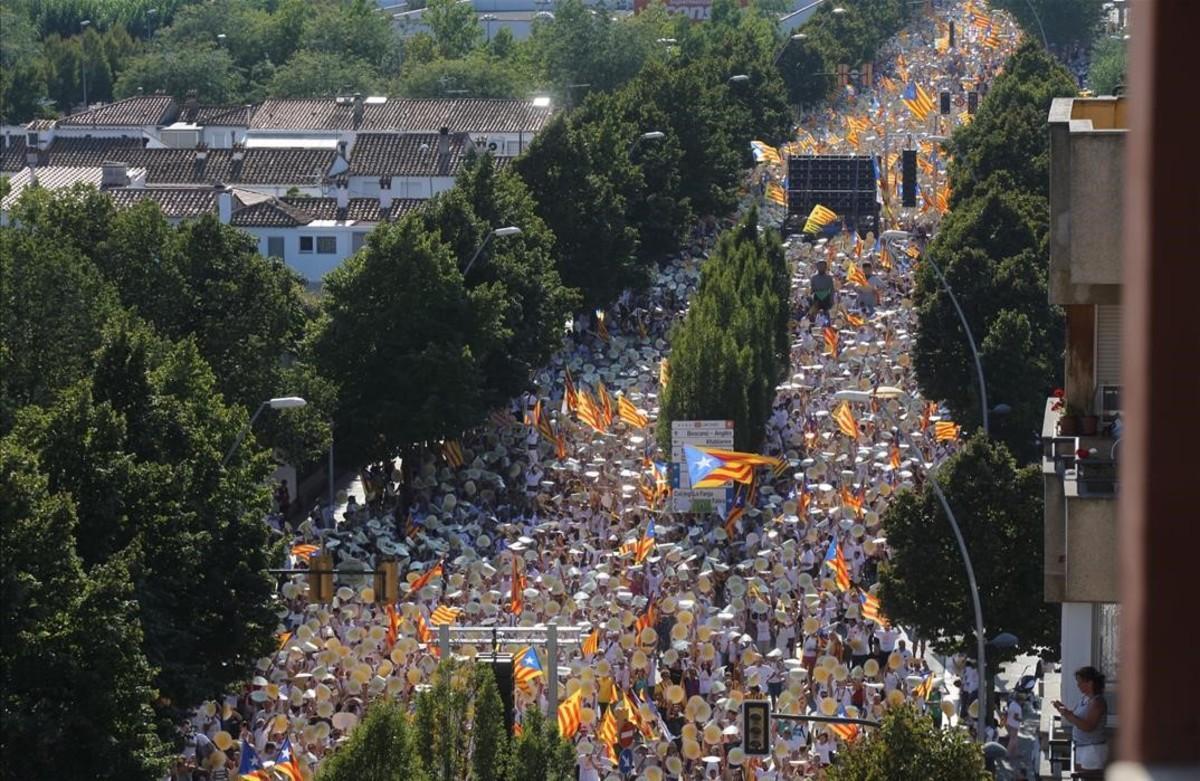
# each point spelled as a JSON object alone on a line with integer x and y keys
{"x": 1088, "y": 720}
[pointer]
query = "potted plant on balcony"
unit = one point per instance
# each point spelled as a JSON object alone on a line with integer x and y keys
{"x": 1089, "y": 424}
{"x": 1068, "y": 421}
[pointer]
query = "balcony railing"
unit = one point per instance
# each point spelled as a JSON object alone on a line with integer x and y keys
{"x": 1087, "y": 465}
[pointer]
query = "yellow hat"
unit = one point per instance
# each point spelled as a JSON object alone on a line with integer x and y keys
{"x": 828, "y": 706}
{"x": 222, "y": 740}
{"x": 712, "y": 733}
{"x": 691, "y": 749}
{"x": 675, "y": 693}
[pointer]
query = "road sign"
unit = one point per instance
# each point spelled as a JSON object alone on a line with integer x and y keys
{"x": 756, "y": 727}
{"x": 698, "y": 433}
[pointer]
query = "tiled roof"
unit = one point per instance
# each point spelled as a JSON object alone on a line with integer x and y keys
{"x": 174, "y": 202}
{"x": 149, "y": 110}
{"x": 12, "y": 154}
{"x": 410, "y": 115}
{"x": 229, "y": 116}
{"x": 40, "y": 124}
{"x": 55, "y": 177}
{"x": 406, "y": 154}
{"x": 292, "y": 212}
{"x": 181, "y": 166}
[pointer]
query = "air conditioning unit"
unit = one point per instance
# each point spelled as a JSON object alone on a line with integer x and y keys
{"x": 1108, "y": 402}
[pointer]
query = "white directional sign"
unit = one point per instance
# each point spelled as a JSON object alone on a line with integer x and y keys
{"x": 698, "y": 433}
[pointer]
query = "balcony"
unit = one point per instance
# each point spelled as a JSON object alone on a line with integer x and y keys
{"x": 1080, "y": 476}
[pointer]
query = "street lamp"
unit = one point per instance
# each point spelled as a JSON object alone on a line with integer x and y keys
{"x": 740, "y": 78}
{"x": 488, "y": 19}
{"x": 281, "y": 402}
{"x": 889, "y": 236}
{"x": 498, "y": 233}
{"x": 782, "y": 49}
{"x": 653, "y": 135}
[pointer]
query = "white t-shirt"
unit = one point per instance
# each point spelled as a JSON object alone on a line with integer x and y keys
{"x": 1013, "y": 714}
{"x": 887, "y": 639}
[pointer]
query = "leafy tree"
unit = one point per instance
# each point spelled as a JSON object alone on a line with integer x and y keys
{"x": 138, "y": 444}
{"x": 55, "y": 303}
{"x": 316, "y": 73}
{"x": 441, "y": 715}
{"x": 355, "y": 29}
{"x": 22, "y": 71}
{"x": 585, "y": 46}
{"x": 730, "y": 351}
{"x": 1063, "y": 21}
{"x": 489, "y": 736}
{"x": 175, "y": 70}
{"x": 539, "y": 752}
{"x": 908, "y": 747}
{"x": 475, "y": 76}
{"x": 1109, "y": 64}
{"x": 577, "y": 199}
{"x": 1009, "y": 132}
{"x": 251, "y": 31}
{"x": 396, "y": 336}
{"x": 454, "y": 27}
{"x": 998, "y": 506}
{"x": 518, "y": 269}
{"x": 381, "y": 748}
{"x": 74, "y": 671}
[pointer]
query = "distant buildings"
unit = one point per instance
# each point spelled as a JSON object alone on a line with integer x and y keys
{"x": 308, "y": 177}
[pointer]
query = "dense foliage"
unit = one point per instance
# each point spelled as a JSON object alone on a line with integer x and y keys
{"x": 908, "y": 747}
{"x": 1063, "y": 21}
{"x": 731, "y": 349}
{"x": 453, "y": 730}
{"x": 1109, "y": 65}
{"x": 998, "y": 506}
{"x": 993, "y": 247}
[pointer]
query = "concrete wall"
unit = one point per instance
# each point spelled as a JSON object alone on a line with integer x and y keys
{"x": 402, "y": 186}
{"x": 311, "y": 265}
{"x": 1091, "y": 547}
{"x": 1086, "y": 179}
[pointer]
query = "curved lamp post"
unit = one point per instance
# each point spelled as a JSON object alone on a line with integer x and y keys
{"x": 282, "y": 402}
{"x": 653, "y": 135}
{"x": 499, "y": 233}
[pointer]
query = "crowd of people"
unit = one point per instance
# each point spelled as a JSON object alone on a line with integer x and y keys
{"x": 685, "y": 616}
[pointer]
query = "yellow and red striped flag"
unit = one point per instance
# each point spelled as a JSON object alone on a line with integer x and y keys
{"x": 425, "y": 636}
{"x": 601, "y": 327}
{"x": 570, "y": 715}
{"x": 453, "y": 453}
{"x": 421, "y": 582}
{"x": 871, "y": 610}
{"x": 283, "y": 638}
{"x": 607, "y": 732}
{"x": 591, "y": 643}
{"x": 885, "y": 258}
{"x": 569, "y": 394}
{"x": 854, "y": 275}
{"x": 664, "y": 372}
{"x": 649, "y": 618}
{"x": 527, "y": 667}
{"x": 444, "y": 615}
{"x": 845, "y": 420}
{"x": 831, "y": 341}
{"x": 393, "y": 629}
{"x": 589, "y": 411}
{"x": 818, "y": 218}
{"x": 930, "y": 408}
{"x": 894, "y": 457}
{"x": 837, "y": 562}
{"x": 852, "y": 500}
{"x": 776, "y": 194}
{"x": 305, "y": 550}
{"x": 517, "y": 604}
{"x": 924, "y": 688}
{"x": 847, "y": 732}
{"x": 630, "y": 414}
{"x": 855, "y": 320}
{"x": 606, "y": 405}
{"x": 945, "y": 431}
{"x": 645, "y": 544}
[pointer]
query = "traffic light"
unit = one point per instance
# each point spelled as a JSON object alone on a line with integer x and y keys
{"x": 951, "y": 35}
{"x": 972, "y": 102}
{"x": 320, "y": 578}
{"x": 387, "y": 582}
{"x": 756, "y": 727}
{"x": 945, "y": 103}
{"x": 908, "y": 184}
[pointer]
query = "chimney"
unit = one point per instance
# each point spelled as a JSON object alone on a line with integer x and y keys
{"x": 239, "y": 152}
{"x": 201, "y": 152}
{"x": 358, "y": 110}
{"x": 31, "y": 157}
{"x": 343, "y": 194}
{"x": 385, "y": 193}
{"x": 224, "y": 203}
{"x": 113, "y": 174}
{"x": 191, "y": 102}
{"x": 443, "y": 147}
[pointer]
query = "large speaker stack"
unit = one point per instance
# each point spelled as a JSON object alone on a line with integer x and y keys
{"x": 844, "y": 183}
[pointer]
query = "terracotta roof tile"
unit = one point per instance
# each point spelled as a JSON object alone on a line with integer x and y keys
{"x": 228, "y": 116}
{"x": 12, "y": 154}
{"x": 292, "y": 212}
{"x": 175, "y": 202}
{"x": 409, "y": 115}
{"x": 406, "y": 154}
{"x": 149, "y": 110}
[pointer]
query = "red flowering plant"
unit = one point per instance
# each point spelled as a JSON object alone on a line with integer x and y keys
{"x": 1058, "y": 404}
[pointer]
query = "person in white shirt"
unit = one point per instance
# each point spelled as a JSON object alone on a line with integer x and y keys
{"x": 824, "y": 749}
{"x": 1013, "y": 715}
{"x": 887, "y": 637}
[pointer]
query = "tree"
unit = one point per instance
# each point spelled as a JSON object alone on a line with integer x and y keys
{"x": 22, "y": 72}
{"x": 55, "y": 303}
{"x": 1064, "y": 21}
{"x": 519, "y": 269}
{"x": 583, "y": 209}
{"x": 908, "y": 747}
{"x": 539, "y": 753}
{"x": 138, "y": 444}
{"x": 1109, "y": 64}
{"x": 395, "y": 335}
{"x": 1009, "y": 132}
{"x": 489, "y": 736}
{"x": 998, "y": 506}
{"x": 381, "y": 748}
{"x": 176, "y": 70}
{"x": 454, "y": 27}
{"x": 475, "y": 76}
{"x": 584, "y": 46}
{"x": 730, "y": 351}
{"x": 354, "y": 29}
{"x": 74, "y": 671}
{"x": 315, "y": 73}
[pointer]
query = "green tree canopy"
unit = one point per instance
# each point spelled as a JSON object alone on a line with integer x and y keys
{"x": 908, "y": 747}
{"x": 1109, "y": 65}
{"x": 1063, "y": 21}
{"x": 319, "y": 73}
{"x": 75, "y": 673}
{"x": 381, "y": 748}
{"x": 177, "y": 70}
{"x": 998, "y": 506}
